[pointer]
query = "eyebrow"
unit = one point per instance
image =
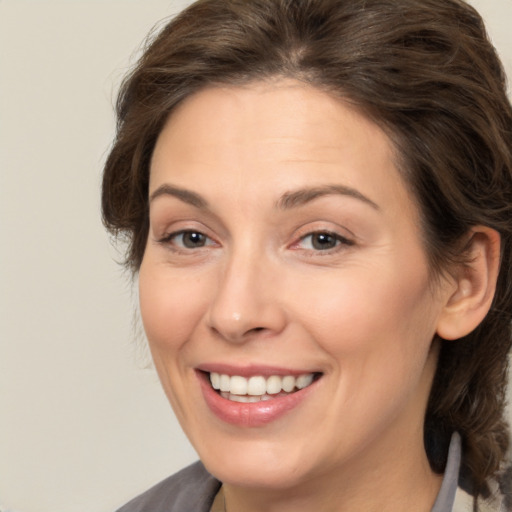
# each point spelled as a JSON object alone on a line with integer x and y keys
{"x": 288, "y": 200}
{"x": 302, "y": 196}
{"x": 184, "y": 195}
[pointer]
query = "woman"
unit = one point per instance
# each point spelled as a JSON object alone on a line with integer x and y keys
{"x": 317, "y": 197}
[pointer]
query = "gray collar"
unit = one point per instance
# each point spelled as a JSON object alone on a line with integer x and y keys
{"x": 446, "y": 497}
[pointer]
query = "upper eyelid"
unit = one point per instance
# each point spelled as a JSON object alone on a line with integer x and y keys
{"x": 171, "y": 222}
{"x": 338, "y": 230}
{"x": 168, "y": 226}
{"x": 341, "y": 238}
{"x": 331, "y": 232}
{"x": 174, "y": 233}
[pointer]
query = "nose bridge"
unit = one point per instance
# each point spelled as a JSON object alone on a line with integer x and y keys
{"x": 246, "y": 301}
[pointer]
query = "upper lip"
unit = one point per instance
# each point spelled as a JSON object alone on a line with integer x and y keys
{"x": 252, "y": 370}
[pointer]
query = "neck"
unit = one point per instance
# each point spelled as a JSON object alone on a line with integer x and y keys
{"x": 405, "y": 483}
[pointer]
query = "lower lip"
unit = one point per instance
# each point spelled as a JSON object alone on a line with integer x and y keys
{"x": 256, "y": 414}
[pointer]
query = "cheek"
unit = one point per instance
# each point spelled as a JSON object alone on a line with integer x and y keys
{"x": 368, "y": 312}
{"x": 171, "y": 306}
{"x": 377, "y": 329}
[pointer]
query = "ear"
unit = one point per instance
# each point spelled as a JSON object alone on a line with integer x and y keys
{"x": 474, "y": 284}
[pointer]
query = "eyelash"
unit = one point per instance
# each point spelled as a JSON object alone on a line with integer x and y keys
{"x": 340, "y": 242}
{"x": 169, "y": 239}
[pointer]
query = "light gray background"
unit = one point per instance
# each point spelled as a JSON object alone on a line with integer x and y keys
{"x": 84, "y": 425}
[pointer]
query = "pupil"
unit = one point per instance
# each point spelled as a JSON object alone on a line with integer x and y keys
{"x": 192, "y": 239}
{"x": 323, "y": 241}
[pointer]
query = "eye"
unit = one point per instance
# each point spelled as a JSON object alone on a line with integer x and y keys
{"x": 188, "y": 239}
{"x": 323, "y": 241}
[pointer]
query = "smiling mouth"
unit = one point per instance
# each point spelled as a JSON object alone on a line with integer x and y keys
{"x": 258, "y": 388}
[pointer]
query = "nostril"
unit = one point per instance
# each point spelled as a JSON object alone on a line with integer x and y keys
{"x": 256, "y": 329}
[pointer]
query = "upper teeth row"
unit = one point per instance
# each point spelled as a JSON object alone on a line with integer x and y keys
{"x": 258, "y": 385}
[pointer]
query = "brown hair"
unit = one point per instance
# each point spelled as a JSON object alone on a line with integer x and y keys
{"x": 424, "y": 70}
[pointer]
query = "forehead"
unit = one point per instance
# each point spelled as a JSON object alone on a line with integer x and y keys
{"x": 287, "y": 109}
{"x": 274, "y": 135}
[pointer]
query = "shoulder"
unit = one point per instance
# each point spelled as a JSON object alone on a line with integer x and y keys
{"x": 499, "y": 498}
{"x": 496, "y": 502}
{"x": 455, "y": 493}
{"x": 190, "y": 490}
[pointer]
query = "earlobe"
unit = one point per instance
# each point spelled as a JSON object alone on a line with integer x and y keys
{"x": 475, "y": 279}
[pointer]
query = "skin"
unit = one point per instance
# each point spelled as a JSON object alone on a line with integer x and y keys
{"x": 257, "y": 290}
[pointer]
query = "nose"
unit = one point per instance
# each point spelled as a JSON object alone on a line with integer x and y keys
{"x": 247, "y": 301}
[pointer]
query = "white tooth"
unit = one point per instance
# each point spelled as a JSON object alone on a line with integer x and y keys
{"x": 273, "y": 385}
{"x": 288, "y": 383}
{"x": 239, "y": 398}
{"x": 224, "y": 382}
{"x": 238, "y": 385}
{"x": 215, "y": 380}
{"x": 256, "y": 386}
{"x": 253, "y": 399}
{"x": 304, "y": 381}
{"x": 264, "y": 398}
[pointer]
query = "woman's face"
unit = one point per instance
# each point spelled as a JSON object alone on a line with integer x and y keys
{"x": 285, "y": 252}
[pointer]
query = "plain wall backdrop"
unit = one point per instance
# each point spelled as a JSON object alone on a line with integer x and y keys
{"x": 84, "y": 425}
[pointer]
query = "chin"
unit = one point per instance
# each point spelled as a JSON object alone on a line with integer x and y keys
{"x": 254, "y": 475}
{"x": 258, "y": 466}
